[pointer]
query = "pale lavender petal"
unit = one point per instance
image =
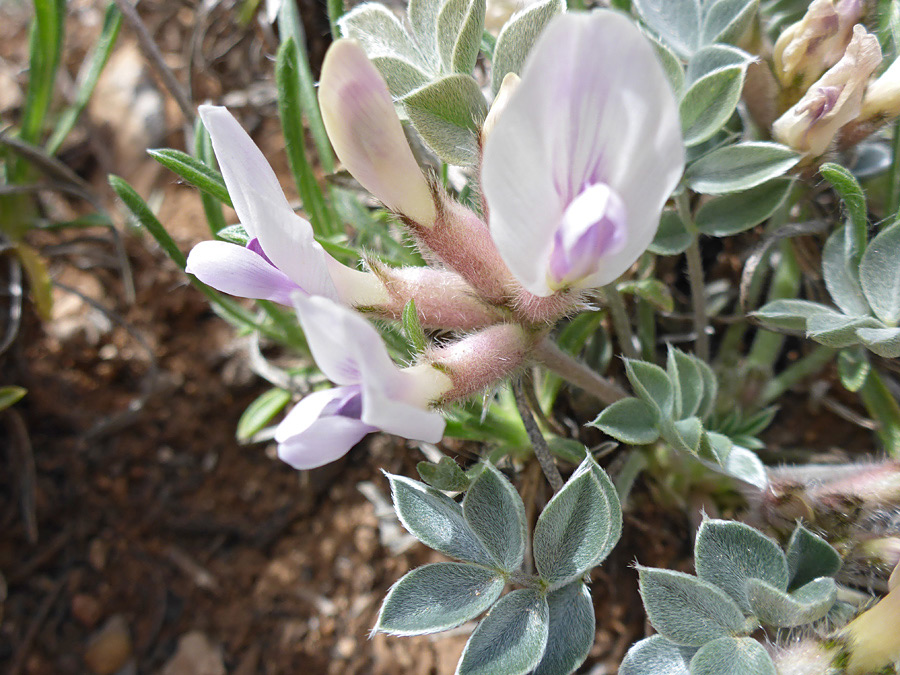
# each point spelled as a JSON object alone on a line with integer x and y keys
{"x": 594, "y": 106}
{"x": 239, "y": 271}
{"x": 242, "y": 164}
{"x": 346, "y": 347}
{"x": 326, "y": 440}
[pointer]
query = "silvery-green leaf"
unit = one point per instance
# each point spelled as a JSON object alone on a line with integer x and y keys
{"x": 739, "y": 167}
{"x": 731, "y": 214}
{"x": 671, "y": 237}
{"x": 436, "y": 520}
{"x": 687, "y": 610}
{"x": 671, "y": 66}
{"x": 735, "y": 656}
{"x": 728, "y": 553}
{"x": 677, "y": 22}
{"x": 713, "y": 58}
{"x": 511, "y": 639}
{"x": 653, "y": 291}
{"x": 630, "y": 420}
{"x": 839, "y": 331}
{"x": 715, "y": 447}
{"x": 792, "y": 314}
{"x": 495, "y": 512}
{"x": 882, "y": 341}
{"x": 518, "y": 35}
{"x": 841, "y": 275}
{"x": 423, "y": 20}
{"x": 744, "y": 465}
{"x": 400, "y": 75}
{"x": 727, "y": 20}
{"x": 851, "y": 192}
{"x": 853, "y": 363}
{"x": 710, "y": 390}
{"x": 684, "y": 372}
{"x": 380, "y": 33}
{"x": 445, "y": 475}
{"x": 808, "y": 603}
{"x": 879, "y": 274}
{"x": 459, "y": 27}
{"x": 810, "y": 557}
{"x": 438, "y": 597}
{"x": 614, "y": 508}
{"x": 652, "y": 385}
{"x": 708, "y": 104}
{"x": 448, "y": 114}
{"x": 657, "y": 656}
{"x": 574, "y": 529}
{"x": 571, "y": 634}
{"x": 684, "y": 435}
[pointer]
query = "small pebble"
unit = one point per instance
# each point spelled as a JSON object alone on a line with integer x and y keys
{"x": 109, "y": 648}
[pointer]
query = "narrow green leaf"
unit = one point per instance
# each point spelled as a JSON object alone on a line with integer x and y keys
{"x": 842, "y": 274}
{"x": 10, "y": 395}
{"x": 194, "y": 171}
{"x": 630, "y": 420}
{"x": 261, "y": 412}
{"x": 112, "y": 21}
{"x": 853, "y": 367}
{"x": 879, "y": 274}
{"x": 212, "y": 207}
{"x": 287, "y": 80}
{"x": 652, "y": 384}
{"x": 412, "y": 328}
{"x": 735, "y": 213}
{"x": 45, "y": 46}
{"x": 851, "y": 192}
{"x": 709, "y": 103}
{"x": 572, "y": 626}
{"x": 494, "y": 511}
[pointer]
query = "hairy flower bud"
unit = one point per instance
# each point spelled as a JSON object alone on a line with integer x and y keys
{"x": 811, "y": 125}
{"x": 366, "y": 133}
{"x": 809, "y": 47}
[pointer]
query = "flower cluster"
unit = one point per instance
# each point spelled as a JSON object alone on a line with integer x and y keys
{"x": 827, "y": 60}
{"x": 580, "y": 155}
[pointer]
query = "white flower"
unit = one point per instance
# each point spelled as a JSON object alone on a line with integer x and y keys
{"x": 584, "y": 156}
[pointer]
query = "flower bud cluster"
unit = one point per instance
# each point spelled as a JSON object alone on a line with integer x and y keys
{"x": 825, "y": 65}
{"x": 579, "y": 156}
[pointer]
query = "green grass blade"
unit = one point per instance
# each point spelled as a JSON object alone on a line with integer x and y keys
{"x": 322, "y": 217}
{"x": 193, "y": 171}
{"x": 335, "y": 12}
{"x": 45, "y": 43}
{"x": 112, "y": 21}
{"x": 144, "y": 216}
{"x": 291, "y": 27}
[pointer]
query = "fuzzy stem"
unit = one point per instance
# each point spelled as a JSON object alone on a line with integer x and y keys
{"x": 883, "y": 407}
{"x": 808, "y": 365}
{"x": 549, "y": 355}
{"x": 767, "y": 345}
{"x": 621, "y": 322}
{"x": 894, "y": 175}
{"x": 695, "y": 276}
{"x": 541, "y": 449}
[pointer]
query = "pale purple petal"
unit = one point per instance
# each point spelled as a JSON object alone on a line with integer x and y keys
{"x": 594, "y": 106}
{"x": 243, "y": 166}
{"x": 346, "y": 347}
{"x": 239, "y": 271}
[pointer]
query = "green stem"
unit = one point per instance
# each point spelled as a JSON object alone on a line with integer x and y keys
{"x": 804, "y": 367}
{"x": 883, "y": 408}
{"x": 695, "y": 276}
{"x": 620, "y": 320}
{"x": 893, "y": 204}
{"x": 646, "y": 320}
{"x": 767, "y": 345}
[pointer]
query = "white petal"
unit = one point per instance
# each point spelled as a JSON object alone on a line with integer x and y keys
{"x": 342, "y": 342}
{"x": 366, "y": 133}
{"x": 594, "y": 106}
{"x": 243, "y": 166}
{"x": 399, "y": 418}
{"x": 238, "y": 271}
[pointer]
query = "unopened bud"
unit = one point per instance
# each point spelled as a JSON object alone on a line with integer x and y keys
{"x": 882, "y": 99}
{"x": 814, "y": 44}
{"x": 811, "y": 125}
{"x": 365, "y": 131}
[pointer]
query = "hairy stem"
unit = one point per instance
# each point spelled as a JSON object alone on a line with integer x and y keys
{"x": 808, "y": 365}
{"x": 549, "y": 355}
{"x": 541, "y": 449}
{"x": 695, "y": 277}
